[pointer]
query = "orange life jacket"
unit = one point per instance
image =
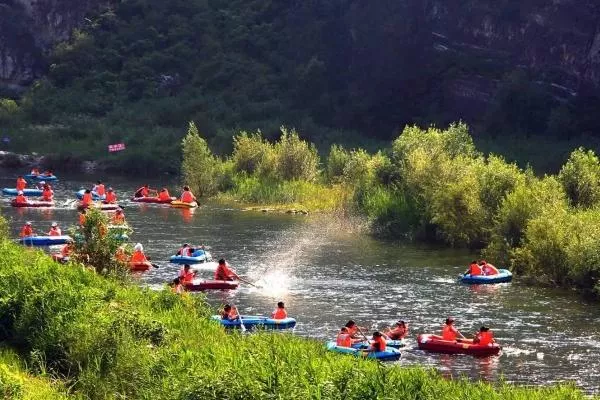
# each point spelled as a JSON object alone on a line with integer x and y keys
{"x": 47, "y": 195}
{"x": 185, "y": 251}
{"x": 280, "y": 313}
{"x": 223, "y": 273}
{"x": 378, "y": 344}
{"x": 111, "y": 198}
{"x": 475, "y": 270}
{"x": 65, "y": 251}
{"x": 99, "y": 189}
{"x": 26, "y": 231}
{"x": 138, "y": 257}
{"x": 21, "y": 183}
{"x": 55, "y": 231}
{"x": 87, "y": 199}
{"x": 186, "y": 277}
{"x": 485, "y": 338}
{"x": 489, "y": 269}
{"x": 20, "y": 199}
{"x": 187, "y": 197}
{"x": 343, "y": 340}
{"x": 81, "y": 219}
{"x": 449, "y": 332}
{"x": 118, "y": 219}
{"x": 164, "y": 195}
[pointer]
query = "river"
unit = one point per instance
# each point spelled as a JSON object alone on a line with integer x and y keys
{"x": 328, "y": 272}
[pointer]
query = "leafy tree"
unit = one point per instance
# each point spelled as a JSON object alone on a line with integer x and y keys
{"x": 296, "y": 158}
{"x": 580, "y": 177}
{"x": 198, "y": 167}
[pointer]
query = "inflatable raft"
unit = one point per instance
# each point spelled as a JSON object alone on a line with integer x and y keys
{"x": 253, "y": 321}
{"x": 210, "y": 284}
{"x": 140, "y": 267}
{"x": 503, "y": 275}
{"x": 45, "y": 240}
{"x": 181, "y": 204}
{"x": 153, "y": 200}
{"x": 42, "y": 177}
{"x": 33, "y": 203}
{"x": 389, "y": 343}
{"x": 100, "y": 206}
{"x": 436, "y": 344}
{"x": 59, "y": 258}
{"x": 198, "y": 257}
{"x": 26, "y": 192}
{"x": 95, "y": 196}
{"x": 389, "y": 354}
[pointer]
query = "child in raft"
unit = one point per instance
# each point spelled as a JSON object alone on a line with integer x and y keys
{"x": 484, "y": 337}
{"x": 355, "y": 331}
{"x": 229, "y": 313}
{"x": 399, "y": 332}
{"x": 377, "y": 343}
{"x": 280, "y": 312}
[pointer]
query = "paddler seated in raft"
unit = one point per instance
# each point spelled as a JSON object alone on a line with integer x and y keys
{"x": 164, "y": 195}
{"x": 87, "y": 198}
{"x": 224, "y": 273}
{"x": 138, "y": 256}
{"x": 474, "y": 269}
{"x": 187, "y": 196}
{"x": 118, "y": 217}
{"x": 144, "y": 191}
{"x": 27, "y": 230}
{"x": 99, "y": 189}
{"x": 487, "y": 268}
{"x": 20, "y": 199}
{"x": 54, "y": 230}
{"x": 280, "y": 312}
{"x": 111, "y": 197}
{"x": 185, "y": 250}
{"x": 21, "y": 183}
{"x": 48, "y": 172}
{"x": 398, "y": 332}
{"x": 176, "y": 286}
{"x": 47, "y": 193}
{"x": 343, "y": 338}
{"x": 484, "y": 337}
{"x": 229, "y": 313}
{"x": 449, "y": 331}
{"x": 378, "y": 343}
{"x": 41, "y": 185}
{"x": 34, "y": 171}
{"x": 355, "y": 331}
{"x": 186, "y": 274}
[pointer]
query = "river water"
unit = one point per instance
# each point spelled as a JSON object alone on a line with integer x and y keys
{"x": 327, "y": 272}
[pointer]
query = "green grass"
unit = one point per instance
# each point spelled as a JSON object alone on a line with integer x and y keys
{"x": 109, "y": 339}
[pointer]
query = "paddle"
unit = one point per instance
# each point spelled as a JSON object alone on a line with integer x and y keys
{"x": 248, "y": 282}
{"x": 241, "y": 321}
{"x": 155, "y": 265}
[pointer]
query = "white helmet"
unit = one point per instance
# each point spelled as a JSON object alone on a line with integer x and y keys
{"x": 54, "y": 224}
{"x": 138, "y": 247}
{"x": 42, "y": 182}
{"x": 20, "y": 192}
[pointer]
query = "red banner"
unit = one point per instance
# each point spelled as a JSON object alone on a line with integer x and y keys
{"x": 116, "y": 147}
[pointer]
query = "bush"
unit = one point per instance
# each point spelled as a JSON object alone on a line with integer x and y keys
{"x": 251, "y": 153}
{"x": 336, "y": 163}
{"x": 199, "y": 165}
{"x": 296, "y": 158}
{"x": 580, "y": 177}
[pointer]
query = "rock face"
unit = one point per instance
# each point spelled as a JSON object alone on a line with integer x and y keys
{"x": 28, "y": 29}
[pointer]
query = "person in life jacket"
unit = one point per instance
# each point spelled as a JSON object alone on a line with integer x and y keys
{"x": 66, "y": 250}
{"x": 34, "y": 171}
{"x": 81, "y": 217}
{"x": 186, "y": 274}
{"x": 224, "y": 273}
{"x": 354, "y": 330}
{"x": 344, "y": 339}
{"x": 87, "y": 198}
{"x": 378, "y": 343}
{"x": 20, "y": 199}
{"x": 121, "y": 255}
{"x": 185, "y": 250}
{"x": 449, "y": 331}
{"x": 144, "y": 191}
{"x": 474, "y": 269}
{"x": 484, "y": 337}
{"x": 399, "y": 332}
{"x": 488, "y": 269}
{"x": 99, "y": 189}
{"x": 27, "y": 230}
{"x": 41, "y": 185}
{"x": 47, "y": 193}
{"x": 229, "y": 313}
{"x": 111, "y": 197}
{"x": 187, "y": 196}
{"x": 176, "y": 286}
{"x": 21, "y": 183}
{"x": 138, "y": 256}
{"x": 280, "y": 312}
{"x": 164, "y": 195}
{"x": 54, "y": 230}
{"x": 118, "y": 217}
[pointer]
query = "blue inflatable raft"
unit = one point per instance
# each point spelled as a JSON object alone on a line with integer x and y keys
{"x": 503, "y": 275}
{"x": 42, "y": 177}
{"x": 26, "y": 192}
{"x": 95, "y": 195}
{"x": 197, "y": 257}
{"x": 389, "y": 354}
{"x": 45, "y": 240}
{"x": 389, "y": 343}
{"x": 255, "y": 321}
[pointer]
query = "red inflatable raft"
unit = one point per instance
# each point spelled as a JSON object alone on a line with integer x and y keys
{"x": 436, "y": 344}
{"x": 33, "y": 203}
{"x": 198, "y": 285}
{"x": 154, "y": 200}
{"x": 140, "y": 267}
{"x": 101, "y": 207}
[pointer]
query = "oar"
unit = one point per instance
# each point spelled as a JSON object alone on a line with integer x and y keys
{"x": 248, "y": 282}
{"x": 241, "y": 321}
{"x": 361, "y": 332}
{"x": 155, "y": 265}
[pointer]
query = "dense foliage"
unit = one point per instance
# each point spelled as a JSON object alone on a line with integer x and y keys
{"x": 106, "y": 339}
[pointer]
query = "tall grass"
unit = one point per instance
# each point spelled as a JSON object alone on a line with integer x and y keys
{"x": 107, "y": 339}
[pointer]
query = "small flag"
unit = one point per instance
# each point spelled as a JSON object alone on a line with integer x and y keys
{"x": 116, "y": 147}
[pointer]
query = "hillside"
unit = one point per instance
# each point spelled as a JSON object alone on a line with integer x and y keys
{"x": 339, "y": 70}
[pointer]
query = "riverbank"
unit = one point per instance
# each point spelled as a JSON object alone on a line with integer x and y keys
{"x": 107, "y": 339}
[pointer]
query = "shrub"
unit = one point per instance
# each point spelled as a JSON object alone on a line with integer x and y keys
{"x": 336, "y": 163}
{"x": 198, "y": 167}
{"x": 296, "y": 158}
{"x": 251, "y": 152}
{"x": 580, "y": 177}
